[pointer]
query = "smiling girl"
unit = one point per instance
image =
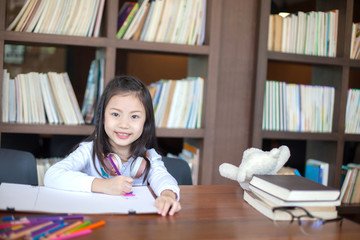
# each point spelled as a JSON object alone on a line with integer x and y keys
{"x": 121, "y": 152}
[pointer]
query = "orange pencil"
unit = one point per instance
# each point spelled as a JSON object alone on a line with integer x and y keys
{"x": 62, "y": 230}
{"x": 92, "y": 226}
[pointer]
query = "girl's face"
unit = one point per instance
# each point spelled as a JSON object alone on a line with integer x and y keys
{"x": 124, "y": 120}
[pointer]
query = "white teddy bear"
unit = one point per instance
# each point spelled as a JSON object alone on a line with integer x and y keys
{"x": 255, "y": 161}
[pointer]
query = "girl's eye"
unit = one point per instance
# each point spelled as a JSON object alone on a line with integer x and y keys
{"x": 115, "y": 114}
{"x": 134, "y": 116}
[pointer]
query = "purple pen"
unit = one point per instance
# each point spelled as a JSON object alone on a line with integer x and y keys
{"x": 56, "y": 218}
{"x": 113, "y": 164}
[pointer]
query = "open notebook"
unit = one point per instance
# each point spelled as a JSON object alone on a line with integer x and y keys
{"x": 26, "y": 198}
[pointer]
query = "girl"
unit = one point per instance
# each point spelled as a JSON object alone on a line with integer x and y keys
{"x": 121, "y": 151}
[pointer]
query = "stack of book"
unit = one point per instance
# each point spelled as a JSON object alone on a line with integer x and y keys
{"x": 171, "y": 21}
{"x": 39, "y": 98}
{"x": 270, "y": 191}
{"x": 68, "y": 17}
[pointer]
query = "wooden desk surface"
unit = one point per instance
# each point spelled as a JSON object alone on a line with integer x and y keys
{"x": 211, "y": 212}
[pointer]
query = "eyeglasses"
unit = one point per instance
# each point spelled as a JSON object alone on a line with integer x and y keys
{"x": 308, "y": 222}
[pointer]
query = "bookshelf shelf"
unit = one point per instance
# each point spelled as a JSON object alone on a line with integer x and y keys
{"x": 299, "y": 58}
{"x": 202, "y": 62}
{"x": 300, "y": 135}
{"x": 46, "y": 129}
{"x": 326, "y": 71}
{"x": 52, "y": 39}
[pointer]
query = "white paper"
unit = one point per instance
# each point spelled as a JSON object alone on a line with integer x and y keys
{"x": 42, "y": 199}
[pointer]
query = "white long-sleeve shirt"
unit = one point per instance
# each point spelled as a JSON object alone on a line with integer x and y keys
{"x": 77, "y": 171}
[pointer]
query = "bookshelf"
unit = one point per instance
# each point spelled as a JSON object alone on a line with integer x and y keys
{"x": 338, "y": 72}
{"x": 202, "y": 61}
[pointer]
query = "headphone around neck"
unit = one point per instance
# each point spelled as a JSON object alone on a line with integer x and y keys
{"x": 137, "y": 168}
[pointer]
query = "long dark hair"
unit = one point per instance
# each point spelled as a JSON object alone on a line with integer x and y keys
{"x": 147, "y": 140}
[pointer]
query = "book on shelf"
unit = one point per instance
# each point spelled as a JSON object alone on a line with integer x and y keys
{"x": 129, "y": 17}
{"x": 93, "y": 91}
{"x": 70, "y": 17}
{"x": 298, "y": 107}
{"x": 39, "y": 98}
{"x": 178, "y": 103}
{"x": 170, "y": 21}
{"x": 352, "y": 115}
{"x": 135, "y": 23}
{"x": 317, "y": 171}
{"x": 350, "y": 189}
{"x": 310, "y": 33}
{"x": 266, "y": 208}
{"x": 294, "y": 188}
{"x": 355, "y": 41}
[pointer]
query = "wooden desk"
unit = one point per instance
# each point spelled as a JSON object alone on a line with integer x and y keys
{"x": 211, "y": 212}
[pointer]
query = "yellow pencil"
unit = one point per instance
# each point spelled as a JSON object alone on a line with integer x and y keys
{"x": 92, "y": 226}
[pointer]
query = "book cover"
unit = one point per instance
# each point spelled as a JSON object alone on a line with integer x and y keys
{"x": 267, "y": 197}
{"x": 294, "y": 188}
{"x": 127, "y": 21}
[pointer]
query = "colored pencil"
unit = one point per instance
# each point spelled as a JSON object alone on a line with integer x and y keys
{"x": 49, "y": 231}
{"x": 78, "y": 227}
{"x": 65, "y": 229}
{"x": 92, "y": 226}
{"x": 41, "y": 231}
{"x": 29, "y": 230}
{"x": 72, "y": 235}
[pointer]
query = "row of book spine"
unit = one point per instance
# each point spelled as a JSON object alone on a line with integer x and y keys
{"x": 352, "y": 116}
{"x": 310, "y": 33}
{"x": 355, "y": 41}
{"x": 350, "y": 188}
{"x": 39, "y": 98}
{"x": 297, "y": 107}
{"x": 178, "y": 103}
{"x": 67, "y": 17}
{"x": 170, "y": 21}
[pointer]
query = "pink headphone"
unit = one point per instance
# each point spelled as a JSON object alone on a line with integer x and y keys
{"x": 136, "y": 171}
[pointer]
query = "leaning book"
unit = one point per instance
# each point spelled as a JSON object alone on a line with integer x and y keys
{"x": 294, "y": 188}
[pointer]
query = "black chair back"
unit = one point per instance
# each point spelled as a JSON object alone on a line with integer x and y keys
{"x": 18, "y": 167}
{"x": 179, "y": 169}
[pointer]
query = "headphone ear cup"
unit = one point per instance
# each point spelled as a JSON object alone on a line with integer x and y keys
{"x": 138, "y": 167}
{"x": 118, "y": 160}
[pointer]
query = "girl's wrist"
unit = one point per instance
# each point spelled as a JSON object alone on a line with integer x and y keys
{"x": 169, "y": 193}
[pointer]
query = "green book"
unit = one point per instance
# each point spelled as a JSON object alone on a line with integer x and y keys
{"x": 127, "y": 22}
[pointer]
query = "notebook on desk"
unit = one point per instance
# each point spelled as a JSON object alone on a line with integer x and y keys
{"x": 27, "y": 198}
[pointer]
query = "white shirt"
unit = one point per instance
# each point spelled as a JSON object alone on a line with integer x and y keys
{"x": 77, "y": 171}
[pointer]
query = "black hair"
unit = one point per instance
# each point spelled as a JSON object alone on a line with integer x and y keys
{"x": 147, "y": 140}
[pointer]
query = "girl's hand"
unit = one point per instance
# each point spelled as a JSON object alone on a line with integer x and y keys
{"x": 118, "y": 185}
{"x": 166, "y": 203}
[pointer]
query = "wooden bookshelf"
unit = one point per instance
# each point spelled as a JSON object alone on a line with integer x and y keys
{"x": 331, "y": 71}
{"x": 202, "y": 62}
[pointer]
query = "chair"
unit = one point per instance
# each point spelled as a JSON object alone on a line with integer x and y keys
{"x": 179, "y": 169}
{"x": 17, "y": 167}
